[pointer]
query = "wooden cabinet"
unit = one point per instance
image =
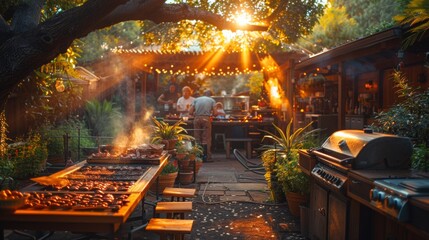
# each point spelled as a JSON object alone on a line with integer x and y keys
{"x": 328, "y": 214}
{"x": 318, "y": 212}
{"x": 354, "y": 122}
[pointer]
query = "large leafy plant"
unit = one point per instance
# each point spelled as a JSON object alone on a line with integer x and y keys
{"x": 165, "y": 131}
{"x": 281, "y": 157}
{"x": 408, "y": 118}
{"x": 103, "y": 118}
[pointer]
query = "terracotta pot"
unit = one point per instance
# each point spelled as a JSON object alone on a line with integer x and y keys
{"x": 294, "y": 200}
{"x": 166, "y": 180}
{"x": 186, "y": 177}
{"x": 199, "y": 164}
{"x": 190, "y": 167}
{"x": 192, "y": 157}
{"x": 180, "y": 156}
{"x": 184, "y": 163}
{"x": 169, "y": 144}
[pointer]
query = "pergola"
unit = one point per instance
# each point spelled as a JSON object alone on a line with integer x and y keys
{"x": 216, "y": 63}
{"x": 220, "y": 63}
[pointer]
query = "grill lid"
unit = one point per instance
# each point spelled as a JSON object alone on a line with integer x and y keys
{"x": 370, "y": 150}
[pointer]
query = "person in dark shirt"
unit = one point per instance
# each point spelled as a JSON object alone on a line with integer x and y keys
{"x": 168, "y": 99}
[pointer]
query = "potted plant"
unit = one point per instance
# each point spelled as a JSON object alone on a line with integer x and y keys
{"x": 181, "y": 151}
{"x": 166, "y": 178}
{"x": 281, "y": 161}
{"x": 186, "y": 177}
{"x": 169, "y": 134}
{"x": 195, "y": 151}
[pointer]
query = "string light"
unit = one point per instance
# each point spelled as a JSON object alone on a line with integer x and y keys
{"x": 178, "y": 70}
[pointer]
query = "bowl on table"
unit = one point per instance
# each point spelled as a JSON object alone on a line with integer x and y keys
{"x": 12, "y": 200}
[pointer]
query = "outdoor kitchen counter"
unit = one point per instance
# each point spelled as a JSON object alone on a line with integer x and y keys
{"x": 361, "y": 182}
{"x": 81, "y": 221}
{"x": 228, "y": 126}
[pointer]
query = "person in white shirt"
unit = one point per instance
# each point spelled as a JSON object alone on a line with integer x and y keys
{"x": 220, "y": 112}
{"x": 184, "y": 103}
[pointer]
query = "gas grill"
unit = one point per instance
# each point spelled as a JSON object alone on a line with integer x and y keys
{"x": 358, "y": 150}
{"x": 344, "y": 154}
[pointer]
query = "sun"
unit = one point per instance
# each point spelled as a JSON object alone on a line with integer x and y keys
{"x": 242, "y": 18}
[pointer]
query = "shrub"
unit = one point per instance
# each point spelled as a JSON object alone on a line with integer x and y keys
{"x": 28, "y": 157}
{"x": 54, "y": 136}
{"x": 408, "y": 118}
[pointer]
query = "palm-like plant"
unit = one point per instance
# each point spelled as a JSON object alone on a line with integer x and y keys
{"x": 280, "y": 159}
{"x": 285, "y": 141}
{"x": 165, "y": 131}
{"x": 416, "y": 14}
{"x": 101, "y": 117}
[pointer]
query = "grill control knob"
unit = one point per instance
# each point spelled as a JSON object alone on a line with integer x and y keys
{"x": 373, "y": 194}
{"x": 397, "y": 203}
{"x": 381, "y": 196}
{"x": 388, "y": 201}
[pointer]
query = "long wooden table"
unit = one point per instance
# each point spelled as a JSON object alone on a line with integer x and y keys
{"x": 81, "y": 221}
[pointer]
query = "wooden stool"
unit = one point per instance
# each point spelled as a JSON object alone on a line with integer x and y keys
{"x": 174, "y": 228}
{"x": 179, "y": 193}
{"x": 173, "y": 209}
{"x": 248, "y": 145}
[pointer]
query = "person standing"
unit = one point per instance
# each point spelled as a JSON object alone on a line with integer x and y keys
{"x": 185, "y": 101}
{"x": 202, "y": 108}
{"x": 168, "y": 99}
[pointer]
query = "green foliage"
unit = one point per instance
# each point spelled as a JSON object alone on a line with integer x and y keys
{"x": 165, "y": 131}
{"x": 7, "y": 168}
{"x": 169, "y": 168}
{"x": 255, "y": 84}
{"x": 281, "y": 158}
{"x": 181, "y": 148}
{"x": 416, "y": 14}
{"x": 290, "y": 175}
{"x": 99, "y": 43}
{"x": 335, "y": 27}
{"x": 40, "y": 92}
{"x": 197, "y": 150}
{"x": 371, "y": 15}
{"x": 54, "y": 137}
{"x": 420, "y": 158}
{"x": 103, "y": 118}
{"x": 28, "y": 156}
{"x": 409, "y": 117}
{"x": 347, "y": 20}
{"x": 292, "y": 19}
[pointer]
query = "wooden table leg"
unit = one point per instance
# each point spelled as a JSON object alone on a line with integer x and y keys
{"x": 248, "y": 149}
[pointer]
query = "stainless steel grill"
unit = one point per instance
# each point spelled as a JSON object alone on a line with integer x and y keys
{"x": 356, "y": 149}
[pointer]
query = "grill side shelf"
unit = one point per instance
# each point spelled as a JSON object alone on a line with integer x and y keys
{"x": 332, "y": 158}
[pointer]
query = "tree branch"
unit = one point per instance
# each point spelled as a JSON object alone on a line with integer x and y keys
{"x": 27, "y": 15}
{"x": 171, "y": 13}
{"x": 21, "y": 53}
{"x": 178, "y": 12}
